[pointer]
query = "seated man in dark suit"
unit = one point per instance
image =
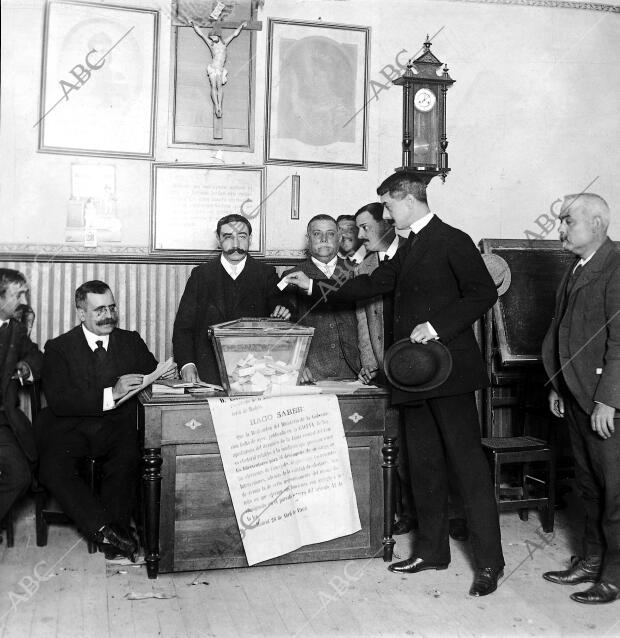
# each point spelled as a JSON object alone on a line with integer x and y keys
{"x": 226, "y": 288}
{"x": 85, "y": 372}
{"x": 334, "y": 351}
{"x": 20, "y": 361}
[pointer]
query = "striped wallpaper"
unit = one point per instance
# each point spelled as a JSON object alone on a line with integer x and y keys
{"x": 147, "y": 295}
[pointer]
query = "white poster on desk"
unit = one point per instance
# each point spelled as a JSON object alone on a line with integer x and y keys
{"x": 287, "y": 466}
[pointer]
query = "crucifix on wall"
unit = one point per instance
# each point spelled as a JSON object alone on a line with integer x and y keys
{"x": 222, "y": 74}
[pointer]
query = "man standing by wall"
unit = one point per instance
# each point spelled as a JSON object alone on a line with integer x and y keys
{"x": 20, "y": 360}
{"x": 229, "y": 287}
{"x": 581, "y": 354}
{"x": 441, "y": 287}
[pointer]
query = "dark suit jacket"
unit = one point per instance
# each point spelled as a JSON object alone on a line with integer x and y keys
{"x": 582, "y": 346}
{"x": 442, "y": 279}
{"x": 72, "y": 389}
{"x": 370, "y": 318}
{"x": 335, "y": 325}
{"x": 19, "y": 348}
{"x": 205, "y": 303}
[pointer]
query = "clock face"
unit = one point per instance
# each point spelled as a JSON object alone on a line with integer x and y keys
{"x": 424, "y": 100}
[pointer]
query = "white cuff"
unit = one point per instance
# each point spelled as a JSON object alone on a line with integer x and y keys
{"x": 432, "y": 330}
{"x": 309, "y": 291}
{"x": 108, "y": 399}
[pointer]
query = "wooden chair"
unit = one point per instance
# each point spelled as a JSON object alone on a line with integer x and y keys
{"x": 523, "y": 454}
{"x": 531, "y": 457}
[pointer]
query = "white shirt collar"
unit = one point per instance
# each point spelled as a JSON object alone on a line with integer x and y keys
{"x": 418, "y": 225}
{"x": 92, "y": 338}
{"x": 583, "y": 262}
{"x": 391, "y": 250}
{"x": 234, "y": 270}
{"x": 327, "y": 268}
{"x": 358, "y": 256}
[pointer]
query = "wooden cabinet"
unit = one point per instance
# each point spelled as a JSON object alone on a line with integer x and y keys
{"x": 189, "y": 518}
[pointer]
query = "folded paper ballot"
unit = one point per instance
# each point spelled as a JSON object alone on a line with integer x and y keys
{"x": 147, "y": 379}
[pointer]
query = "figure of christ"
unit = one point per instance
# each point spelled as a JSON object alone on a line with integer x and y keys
{"x": 218, "y": 75}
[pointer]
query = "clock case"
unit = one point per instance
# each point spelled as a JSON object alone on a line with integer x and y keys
{"x": 424, "y": 141}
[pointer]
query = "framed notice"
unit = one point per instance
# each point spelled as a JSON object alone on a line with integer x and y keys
{"x": 316, "y": 94}
{"x": 99, "y": 80}
{"x": 187, "y": 200}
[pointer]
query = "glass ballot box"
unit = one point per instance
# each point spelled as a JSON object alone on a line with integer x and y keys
{"x": 260, "y": 356}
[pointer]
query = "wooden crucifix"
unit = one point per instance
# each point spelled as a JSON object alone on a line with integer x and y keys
{"x": 217, "y": 42}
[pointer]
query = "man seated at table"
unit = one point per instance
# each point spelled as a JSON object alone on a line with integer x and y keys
{"x": 228, "y": 287}
{"x": 85, "y": 372}
{"x": 334, "y": 351}
{"x": 20, "y": 361}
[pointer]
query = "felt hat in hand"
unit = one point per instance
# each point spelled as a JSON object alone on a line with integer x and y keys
{"x": 417, "y": 367}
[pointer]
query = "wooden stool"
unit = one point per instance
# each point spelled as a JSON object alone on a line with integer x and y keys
{"x": 523, "y": 451}
{"x": 45, "y": 517}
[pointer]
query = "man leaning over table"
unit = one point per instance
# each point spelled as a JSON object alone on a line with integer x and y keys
{"x": 228, "y": 287}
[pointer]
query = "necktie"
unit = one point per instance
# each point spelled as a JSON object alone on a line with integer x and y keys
{"x": 385, "y": 257}
{"x": 573, "y": 279}
{"x": 100, "y": 352}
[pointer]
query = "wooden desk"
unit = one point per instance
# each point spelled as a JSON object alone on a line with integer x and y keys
{"x": 189, "y": 520}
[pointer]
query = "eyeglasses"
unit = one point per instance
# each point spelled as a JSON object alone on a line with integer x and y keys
{"x": 102, "y": 311}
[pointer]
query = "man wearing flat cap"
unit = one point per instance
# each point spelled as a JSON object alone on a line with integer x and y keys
{"x": 441, "y": 287}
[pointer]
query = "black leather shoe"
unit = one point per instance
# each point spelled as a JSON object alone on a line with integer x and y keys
{"x": 114, "y": 540}
{"x": 598, "y": 594}
{"x": 485, "y": 580}
{"x": 581, "y": 570}
{"x": 458, "y": 529}
{"x": 403, "y": 526}
{"x": 414, "y": 565}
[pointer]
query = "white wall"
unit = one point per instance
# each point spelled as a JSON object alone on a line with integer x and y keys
{"x": 533, "y": 115}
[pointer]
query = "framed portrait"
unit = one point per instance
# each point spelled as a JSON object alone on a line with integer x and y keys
{"x": 99, "y": 80}
{"x": 188, "y": 199}
{"x": 316, "y": 94}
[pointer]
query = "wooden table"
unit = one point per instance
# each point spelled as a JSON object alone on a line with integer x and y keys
{"x": 189, "y": 520}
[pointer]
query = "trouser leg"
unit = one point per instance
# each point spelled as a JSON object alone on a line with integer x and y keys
{"x": 59, "y": 464}
{"x": 457, "y": 420}
{"x": 429, "y": 483}
{"x": 15, "y": 474}
{"x": 116, "y": 451}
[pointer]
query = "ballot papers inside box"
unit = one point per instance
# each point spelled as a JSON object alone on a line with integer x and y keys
{"x": 258, "y": 356}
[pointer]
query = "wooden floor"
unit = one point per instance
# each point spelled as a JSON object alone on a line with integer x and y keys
{"x": 61, "y": 591}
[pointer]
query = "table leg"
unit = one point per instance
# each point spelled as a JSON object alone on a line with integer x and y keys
{"x": 151, "y": 483}
{"x": 389, "y": 465}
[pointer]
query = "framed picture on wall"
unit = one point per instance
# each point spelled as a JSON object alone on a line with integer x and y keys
{"x": 188, "y": 199}
{"x": 316, "y": 94}
{"x": 99, "y": 80}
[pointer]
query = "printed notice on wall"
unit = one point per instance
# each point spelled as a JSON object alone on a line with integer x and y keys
{"x": 287, "y": 465}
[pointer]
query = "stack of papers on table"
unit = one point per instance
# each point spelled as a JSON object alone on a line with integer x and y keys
{"x": 167, "y": 387}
